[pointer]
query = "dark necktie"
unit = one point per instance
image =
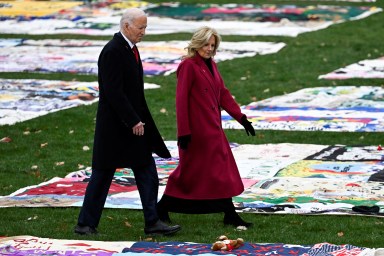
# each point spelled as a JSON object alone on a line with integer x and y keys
{"x": 136, "y": 52}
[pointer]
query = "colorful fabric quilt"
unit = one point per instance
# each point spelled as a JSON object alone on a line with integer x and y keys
{"x": 24, "y": 99}
{"x": 31, "y": 245}
{"x": 373, "y": 68}
{"x": 278, "y": 178}
{"x": 80, "y": 56}
{"x": 102, "y": 18}
{"x": 336, "y": 109}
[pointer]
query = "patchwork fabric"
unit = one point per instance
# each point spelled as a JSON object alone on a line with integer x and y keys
{"x": 278, "y": 178}
{"x": 24, "y": 99}
{"x": 373, "y": 68}
{"x": 336, "y": 109}
{"x": 97, "y": 18}
{"x": 80, "y": 56}
{"x": 30, "y": 245}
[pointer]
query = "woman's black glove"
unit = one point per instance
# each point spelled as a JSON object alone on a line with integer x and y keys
{"x": 183, "y": 141}
{"x": 247, "y": 125}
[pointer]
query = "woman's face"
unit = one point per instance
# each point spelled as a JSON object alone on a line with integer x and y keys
{"x": 207, "y": 50}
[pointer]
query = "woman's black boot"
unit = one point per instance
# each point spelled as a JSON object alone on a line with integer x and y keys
{"x": 234, "y": 219}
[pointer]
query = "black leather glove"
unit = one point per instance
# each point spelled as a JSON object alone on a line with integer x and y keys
{"x": 183, "y": 141}
{"x": 247, "y": 125}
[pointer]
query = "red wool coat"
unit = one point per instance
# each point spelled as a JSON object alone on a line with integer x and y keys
{"x": 207, "y": 169}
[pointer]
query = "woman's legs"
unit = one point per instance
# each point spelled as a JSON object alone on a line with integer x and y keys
{"x": 179, "y": 205}
{"x": 231, "y": 217}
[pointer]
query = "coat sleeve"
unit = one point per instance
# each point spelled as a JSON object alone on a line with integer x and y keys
{"x": 228, "y": 103}
{"x": 111, "y": 75}
{"x": 185, "y": 80}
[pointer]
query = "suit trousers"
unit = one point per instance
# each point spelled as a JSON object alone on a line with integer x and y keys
{"x": 147, "y": 182}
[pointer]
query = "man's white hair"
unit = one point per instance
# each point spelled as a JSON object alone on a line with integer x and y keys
{"x": 130, "y": 15}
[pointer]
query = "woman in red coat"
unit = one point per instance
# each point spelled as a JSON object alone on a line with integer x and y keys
{"x": 207, "y": 177}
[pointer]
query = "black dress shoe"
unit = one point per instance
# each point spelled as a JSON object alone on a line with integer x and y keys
{"x": 85, "y": 230}
{"x": 160, "y": 228}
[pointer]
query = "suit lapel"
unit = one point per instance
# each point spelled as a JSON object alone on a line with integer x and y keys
{"x": 131, "y": 55}
{"x": 208, "y": 75}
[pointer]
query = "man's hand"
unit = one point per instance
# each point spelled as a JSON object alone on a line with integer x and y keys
{"x": 138, "y": 129}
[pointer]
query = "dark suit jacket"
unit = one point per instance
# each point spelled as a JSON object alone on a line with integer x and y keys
{"x": 121, "y": 106}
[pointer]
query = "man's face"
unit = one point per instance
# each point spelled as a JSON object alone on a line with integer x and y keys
{"x": 135, "y": 31}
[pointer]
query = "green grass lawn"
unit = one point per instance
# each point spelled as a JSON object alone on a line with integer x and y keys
{"x": 295, "y": 67}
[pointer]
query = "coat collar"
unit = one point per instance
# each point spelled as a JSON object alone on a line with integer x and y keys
{"x": 119, "y": 37}
{"x": 200, "y": 61}
{"x": 121, "y": 40}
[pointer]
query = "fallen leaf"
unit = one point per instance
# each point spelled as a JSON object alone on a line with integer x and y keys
{"x": 37, "y": 173}
{"x": 44, "y": 144}
{"x": 85, "y": 148}
{"x": 127, "y": 224}
{"x": 6, "y": 140}
{"x": 59, "y": 163}
{"x": 339, "y": 234}
{"x": 33, "y": 218}
{"x": 241, "y": 228}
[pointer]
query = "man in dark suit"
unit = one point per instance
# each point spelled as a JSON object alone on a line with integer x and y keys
{"x": 126, "y": 134}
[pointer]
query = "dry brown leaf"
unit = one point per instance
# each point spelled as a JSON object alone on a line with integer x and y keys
{"x": 44, "y": 144}
{"x": 127, "y": 224}
{"x": 37, "y": 173}
{"x": 59, "y": 163}
{"x": 340, "y": 234}
{"x": 6, "y": 140}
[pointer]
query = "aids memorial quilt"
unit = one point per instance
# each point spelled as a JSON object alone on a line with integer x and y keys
{"x": 336, "y": 109}
{"x": 80, "y": 56}
{"x": 24, "y": 99}
{"x": 31, "y": 245}
{"x": 102, "y": 18}
{"x": 278, "y": 178}
{"x": 372, "y": 68}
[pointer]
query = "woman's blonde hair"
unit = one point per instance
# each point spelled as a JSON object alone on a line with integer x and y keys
{"x": 199, "y": 39}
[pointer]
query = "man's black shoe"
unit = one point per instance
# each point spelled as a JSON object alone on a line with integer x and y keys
{"x": 160, "y": 228}
{"x": 85, "y": 230}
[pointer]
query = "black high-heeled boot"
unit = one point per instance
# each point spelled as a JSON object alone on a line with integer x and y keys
{"x": 234, "y": 219}
{"x": 164, "y": 216}
{"x": 162, "y": 211}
